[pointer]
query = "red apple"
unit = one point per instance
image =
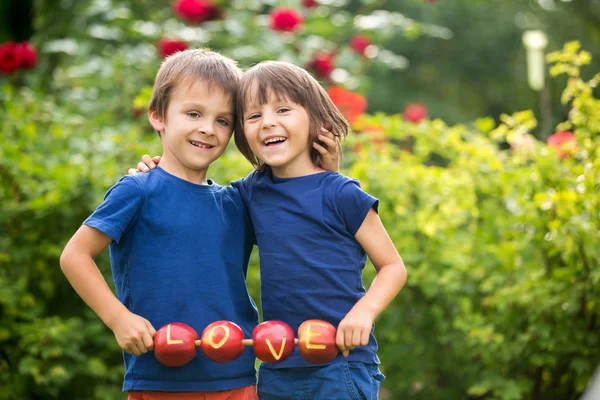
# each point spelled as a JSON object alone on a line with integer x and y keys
{"x": 174, "y": 344}
{"x": 222, "y": 341}
{"x": 316, "y": 341}
{"x": 273, "y": 341}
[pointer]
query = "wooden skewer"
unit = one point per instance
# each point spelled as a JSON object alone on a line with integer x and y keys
{"x": 245, "y": 342}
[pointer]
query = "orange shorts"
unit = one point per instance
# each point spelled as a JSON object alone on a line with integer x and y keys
{"x": 245, "y": 393}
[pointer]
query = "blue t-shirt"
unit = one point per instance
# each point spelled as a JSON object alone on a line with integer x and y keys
{"x": 180, "y": 254}
{"x": 310, "y": 262}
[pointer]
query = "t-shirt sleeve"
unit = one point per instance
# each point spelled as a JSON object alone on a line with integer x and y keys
{"x": 118, "y": 210}
{"x": 353, "y": 204}
{"x": 244, "y": 186}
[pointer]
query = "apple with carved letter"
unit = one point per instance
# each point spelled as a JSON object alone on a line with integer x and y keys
{"x": 316, "y": 341}
{"x": 222, "y": 341}
{"x": 174, "y": 344}
{"x": 273, "y": 341}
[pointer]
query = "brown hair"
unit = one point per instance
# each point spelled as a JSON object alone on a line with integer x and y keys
{"x": 214, "y": 69}
{"x": 282, "y": 79}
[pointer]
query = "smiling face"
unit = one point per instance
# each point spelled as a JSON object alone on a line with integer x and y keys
{"x": 282, "y": 103}
{"x": 195, "y": 130}
{"x": 277, "y": 132}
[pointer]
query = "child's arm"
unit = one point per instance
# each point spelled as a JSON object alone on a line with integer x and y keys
{"x": 354, "y": 330}
{"x": 133, "y": 333}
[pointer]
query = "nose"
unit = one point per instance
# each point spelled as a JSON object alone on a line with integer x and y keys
{"x": 206, "y": 127}
{"x": 268, "y": 120}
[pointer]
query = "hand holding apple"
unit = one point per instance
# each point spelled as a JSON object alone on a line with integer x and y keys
{"x": 223, "y": 341}
{"x": 355, "y": 329}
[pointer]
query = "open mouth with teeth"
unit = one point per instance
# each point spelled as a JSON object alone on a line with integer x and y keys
{"x": 274, "y": 141}
{"x": 201, "y": 145}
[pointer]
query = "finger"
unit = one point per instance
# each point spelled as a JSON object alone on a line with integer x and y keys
{"x": 132, "y": 171}
{"x": 156, "y": 159}
{"x": 148, "y": 342}
{"x": 322, "y": 150}
{"x": 355, "y": 338}
{"x": 346, "y": 353}
{"x": 327, "y": 133}
{"x": 146, "y": 159}
{"x": 364, "y": 337}
{"x": 339, "y": 340}
{"x": 348, "y": 338}
{"x": 151, "y": 332}
{"x": 151, "y": 329}
{"x": 132, "y": 349}
{"x": 328, "y": 139}
{"x": 139, "y": 347}
{"x": 142, "y": 167}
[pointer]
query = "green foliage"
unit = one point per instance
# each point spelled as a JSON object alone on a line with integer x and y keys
{"x": 501, "y": 247}
{"x": 55, "y": 167}
{"x": 501, "y": 244}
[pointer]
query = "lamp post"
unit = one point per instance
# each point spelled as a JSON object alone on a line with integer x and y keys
{"x": 535, "y": 43}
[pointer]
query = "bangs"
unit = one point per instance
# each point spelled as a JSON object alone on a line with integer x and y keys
{"x": 212, "y": 76}
{"x": 212, "y": 86}
{"x": 264, "y": 82}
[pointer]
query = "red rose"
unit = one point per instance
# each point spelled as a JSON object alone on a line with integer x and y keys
{"x": 309, "y": 3}
{"x": 415, "y": 113}
{"x": 285, "y": 19}
{"x": 10, "y": 58}
{"x": 27, "y": 54}
{"x": 321, "y": 64}
{"x": 166, "y": 47}
{"x": 351, "y": 104}
{"x": 564, "y": 143}
{"x": 359, "y": 44}
{"x": 196, "y": 11}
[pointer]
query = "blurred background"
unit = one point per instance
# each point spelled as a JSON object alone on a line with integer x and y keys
{"x": 476, "y": 123}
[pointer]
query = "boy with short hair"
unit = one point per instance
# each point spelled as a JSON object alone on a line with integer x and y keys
{"x": 179, "y": 243}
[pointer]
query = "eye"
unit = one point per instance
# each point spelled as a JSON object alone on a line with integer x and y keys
{"x": 193, "y": 114}
{"x": 222, "y": 121}
{"x": 253, "y": 116}
{"x": 283, "y": 109}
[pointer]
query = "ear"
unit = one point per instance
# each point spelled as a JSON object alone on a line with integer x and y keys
{"x": 156, "y": 121}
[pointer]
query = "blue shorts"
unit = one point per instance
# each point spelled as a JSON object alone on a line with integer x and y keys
{"x": 343, "y": 381}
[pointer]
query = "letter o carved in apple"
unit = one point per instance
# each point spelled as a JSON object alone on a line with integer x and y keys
{"x": 273, "y": 341}
{"x": 174, "y": 344}
{"x": 316, "y": 341}
{"x": 222, "y": 341}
